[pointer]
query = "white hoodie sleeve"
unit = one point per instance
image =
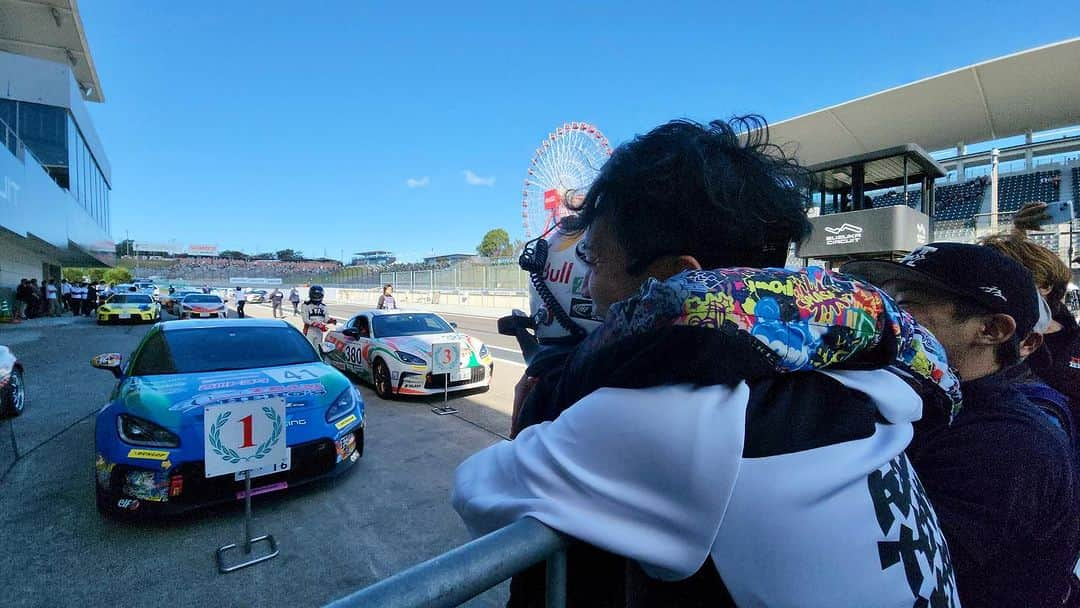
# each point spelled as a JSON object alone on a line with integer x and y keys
{"x": 643, "y": 473}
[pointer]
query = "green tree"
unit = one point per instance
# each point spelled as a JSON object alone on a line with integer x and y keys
{"x": 496, "y": 243}
{"x": 232, "y": 254}
{"x": 117, "y": 275}
{"x": 289, "y": 255}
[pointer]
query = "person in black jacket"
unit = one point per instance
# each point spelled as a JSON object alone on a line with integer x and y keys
{"x": 733, "y": 433}
{"x": 1001, "y": 476}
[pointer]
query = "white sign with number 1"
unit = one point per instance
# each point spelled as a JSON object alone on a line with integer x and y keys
{"x": 243, "y": 436}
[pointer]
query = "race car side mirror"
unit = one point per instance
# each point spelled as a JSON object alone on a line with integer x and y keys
{"x": 109, "y": 361}
{"x": 326, "y": 348}
{"x": 454, "y": 325}
{"x": 352, "y": 332}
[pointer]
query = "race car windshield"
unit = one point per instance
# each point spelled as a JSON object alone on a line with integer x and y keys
{"x": 202, "y": 299}
{"x": 128, "y": 298}
{"x": 389, "y": 326}
{"x": 216, "y": 349}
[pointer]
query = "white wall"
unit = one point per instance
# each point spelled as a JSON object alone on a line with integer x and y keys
{"x": 17, "y": 263}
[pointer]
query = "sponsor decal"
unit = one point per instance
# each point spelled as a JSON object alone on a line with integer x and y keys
{"x": 131, "y": 504}
{"x": 845, "y": 234}
{"x": 581, "y": 308}
{"x": 1075, "y": 363}
{"x": 994, "y": 291}
{"x": 295, "y": 421}
{"x": 344, "y": 422}
{"x": 281, "y": 485}
{"x": 577, "y": 285}
{"x": 148, "y": 454}
{"x": 293, "y": 375}
{"x": 213, "y": 386}
{"x": 562, "y": 275}
{"x": 258, "y": 392}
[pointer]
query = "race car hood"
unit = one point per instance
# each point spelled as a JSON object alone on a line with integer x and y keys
{"x": 177, "y": 400}
{"x": 127, "y": 306}
{"x": 421, "y": 345}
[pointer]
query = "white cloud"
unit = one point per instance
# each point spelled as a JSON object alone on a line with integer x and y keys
{"x": 414, "y": 182}
{"x": 475, "y": 180}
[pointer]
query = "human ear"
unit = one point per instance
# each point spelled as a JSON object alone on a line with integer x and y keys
{"x": 1030, "y": 344}
{"x": 670, "y": 265}
{"x": 996, "y": 329}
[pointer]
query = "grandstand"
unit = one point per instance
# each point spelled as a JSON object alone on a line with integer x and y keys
{"x": 1028, "y": 145}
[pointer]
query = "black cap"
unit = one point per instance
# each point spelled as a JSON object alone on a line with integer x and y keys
{"x": 978, "y": 274}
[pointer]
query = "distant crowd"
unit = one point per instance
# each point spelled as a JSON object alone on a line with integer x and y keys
{"x": 221, "y": 268}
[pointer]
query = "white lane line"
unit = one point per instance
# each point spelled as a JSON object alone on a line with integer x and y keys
{"x": 509, "y": 362}
{"x": 505, "y": 350}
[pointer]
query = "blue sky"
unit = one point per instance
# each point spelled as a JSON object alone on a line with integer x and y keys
{"x": 274, "y": 124}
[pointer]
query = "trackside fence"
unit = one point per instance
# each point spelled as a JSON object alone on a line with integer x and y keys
{"x": 463, "y": 573}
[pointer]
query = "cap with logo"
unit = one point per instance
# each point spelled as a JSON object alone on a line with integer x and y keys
{"x": 978, "y": 274}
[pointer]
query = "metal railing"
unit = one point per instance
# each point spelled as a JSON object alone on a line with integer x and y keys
{"x": 471, "y": 569}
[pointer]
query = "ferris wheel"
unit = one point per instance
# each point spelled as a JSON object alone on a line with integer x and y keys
{"x": 563, "y": 168}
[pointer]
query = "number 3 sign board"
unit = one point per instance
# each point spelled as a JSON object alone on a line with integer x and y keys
{"x": 243, "y": 436}
{"x": 445, "y": 357}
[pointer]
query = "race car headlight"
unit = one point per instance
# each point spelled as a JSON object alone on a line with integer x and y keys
{"x": 409, "y": 358}
{"x": 137, "y": 431}
{"x": 344, "y": 404}
{"x": 484, "y": 351}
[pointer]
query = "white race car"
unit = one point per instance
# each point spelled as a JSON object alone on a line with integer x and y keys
{"x": 392, "y": 349}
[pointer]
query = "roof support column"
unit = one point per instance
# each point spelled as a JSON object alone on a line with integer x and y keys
{"x": 994, "y": 190}
{"x": 1028, "y": 139}
{"x": 961, "y": 149}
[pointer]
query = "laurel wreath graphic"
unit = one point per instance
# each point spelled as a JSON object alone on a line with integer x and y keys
{"x": 228, "y": 454}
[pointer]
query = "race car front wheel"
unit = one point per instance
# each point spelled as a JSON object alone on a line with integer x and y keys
{"x": 380, "y": 375}
{"x": 13, "y": 395}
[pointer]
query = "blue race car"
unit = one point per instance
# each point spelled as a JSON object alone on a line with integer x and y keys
{"x": 149, "y": 438}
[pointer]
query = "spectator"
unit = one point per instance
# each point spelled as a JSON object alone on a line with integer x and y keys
{"x": 1058, "y": 362}
{"x": 680, "y": 444}
{"x": 33, "y": 303}
{"x": 275, "y": 303}
{"x": 1000, "y": 476}
{"x": 90, "y": 304}
{"x": 386, "y": 300}
{"x": 22, "y": 299}
{"x": 65, "y": 294}
{"x": 78, "y": 296}
{"x": 241, "y": 300}
{"x": 294, "y": 299}
{"x": 52, "y": 296}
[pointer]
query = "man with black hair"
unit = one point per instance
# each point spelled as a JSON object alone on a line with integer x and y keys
{"x": 738, "y": 435}
{"x": 1000, "y": 475}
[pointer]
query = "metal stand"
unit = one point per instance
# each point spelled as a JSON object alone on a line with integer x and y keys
{"x": 445, "y": 409}
{"x": 248, "y": 540}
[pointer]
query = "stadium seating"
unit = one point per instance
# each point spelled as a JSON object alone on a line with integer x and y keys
{"x": 959, "y": 201}
{"x": 1015, "y": 190}
{"x": 896, "y": 197}
{"x": 1076, "y": 190}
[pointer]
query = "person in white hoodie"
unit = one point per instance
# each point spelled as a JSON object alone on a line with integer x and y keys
{"x": 735, "y": 436}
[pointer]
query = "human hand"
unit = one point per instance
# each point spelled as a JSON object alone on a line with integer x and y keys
{"x": 522, "y": 389}
{"x": 1030, "y": 217}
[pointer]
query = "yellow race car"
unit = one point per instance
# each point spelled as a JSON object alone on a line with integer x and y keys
{"x": 128, "y": 307}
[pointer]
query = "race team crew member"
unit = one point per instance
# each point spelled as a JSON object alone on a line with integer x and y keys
{"x": 313, "y": 314}
{"x": 736, "y": 435}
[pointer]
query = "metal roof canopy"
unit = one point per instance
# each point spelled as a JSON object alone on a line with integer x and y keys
{"x": 896, "y": 166}
{"x": 52, "y": 30}
{"x": 1033, "y": 90}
